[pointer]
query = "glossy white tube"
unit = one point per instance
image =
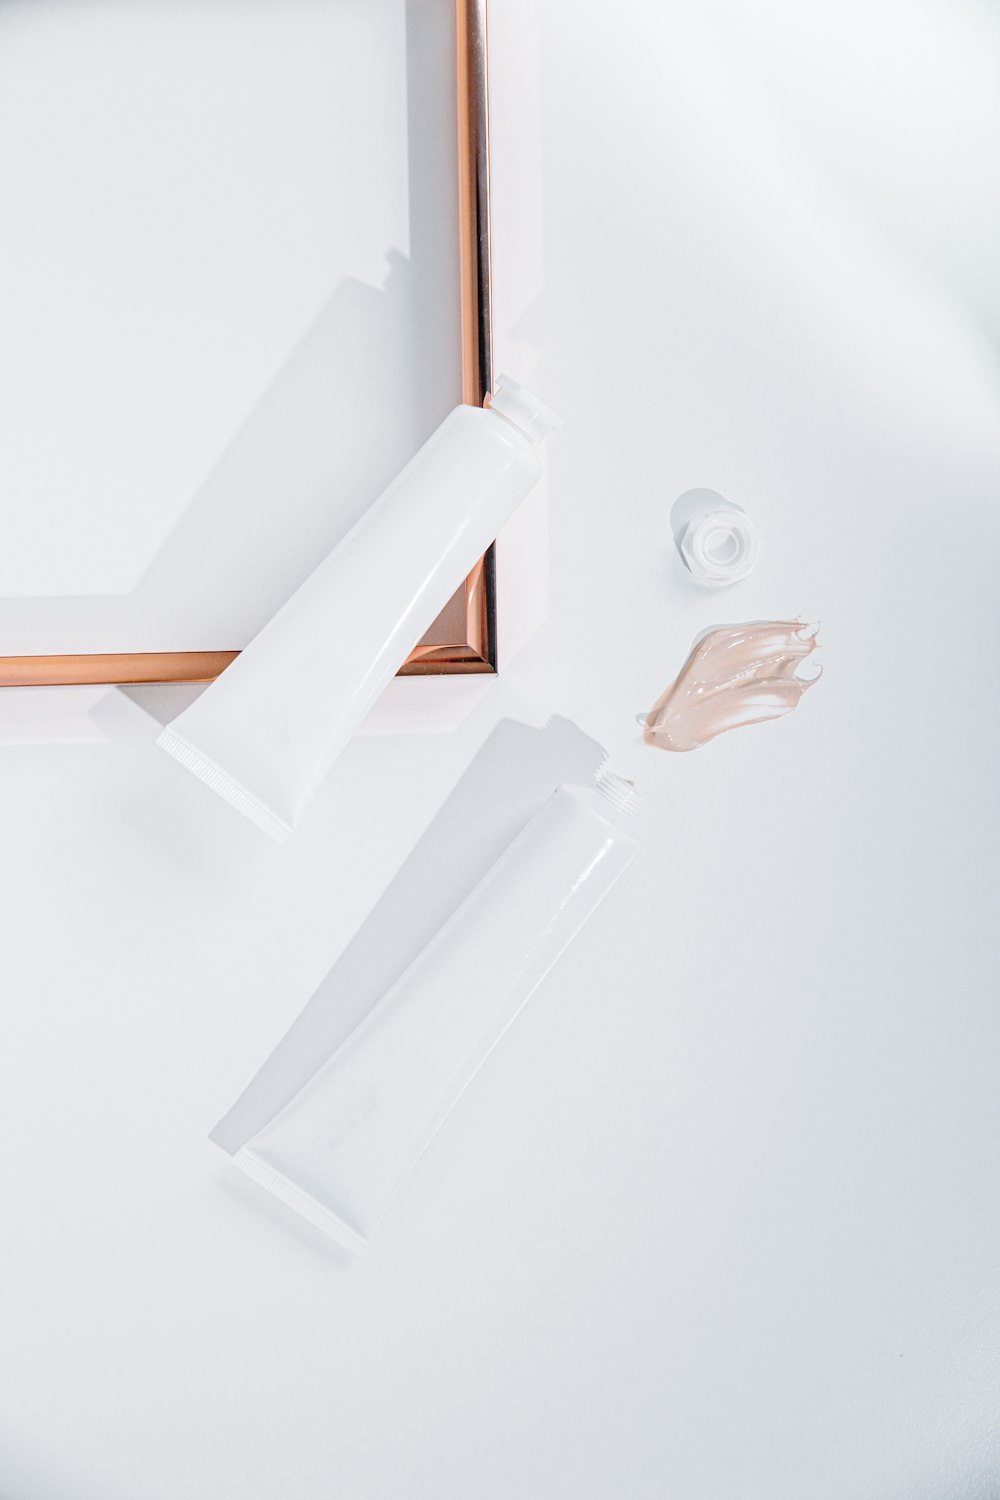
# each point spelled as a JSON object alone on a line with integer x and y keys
{"x": 268, "y": 730}
{"x": 341, "y": 1147}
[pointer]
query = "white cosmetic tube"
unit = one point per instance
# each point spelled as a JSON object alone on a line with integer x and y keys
{"x": 341, "y": 1147}
{"x": 268, "y": 730}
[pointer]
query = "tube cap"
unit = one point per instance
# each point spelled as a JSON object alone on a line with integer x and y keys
{"x": 515, "y": 402}
{"x": 720, "y": 545}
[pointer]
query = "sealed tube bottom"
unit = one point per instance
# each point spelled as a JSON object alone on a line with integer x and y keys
{"x": 338, "y": 1151}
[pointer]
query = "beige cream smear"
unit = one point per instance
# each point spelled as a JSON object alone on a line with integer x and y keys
{"x": 735, "y": 675}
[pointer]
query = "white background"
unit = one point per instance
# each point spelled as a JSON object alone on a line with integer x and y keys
{"x": 720, "y": 1216}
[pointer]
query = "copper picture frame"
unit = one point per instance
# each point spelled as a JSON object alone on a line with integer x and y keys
{"x": 463, "y": 639}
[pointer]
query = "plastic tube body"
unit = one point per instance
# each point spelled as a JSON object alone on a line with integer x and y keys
{"x": 268, "y": 730}
{"x": 340, "y": 1148}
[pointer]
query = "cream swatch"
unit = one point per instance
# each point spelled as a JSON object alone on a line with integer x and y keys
{"x": 735, "y": 675}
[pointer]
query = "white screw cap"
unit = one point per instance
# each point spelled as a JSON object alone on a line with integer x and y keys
{"x": 515, "y": 402}
{"x": 716, "y": 538}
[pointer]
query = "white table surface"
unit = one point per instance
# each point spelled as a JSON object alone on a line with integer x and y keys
{"x": 720, "y": 1215}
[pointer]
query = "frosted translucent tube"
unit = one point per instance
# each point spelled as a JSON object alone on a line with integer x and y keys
{"x": 266, "y": 733}
{"x": 341, "y": 1147}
